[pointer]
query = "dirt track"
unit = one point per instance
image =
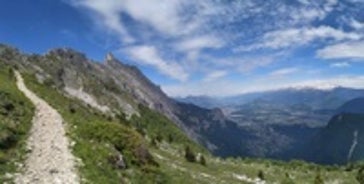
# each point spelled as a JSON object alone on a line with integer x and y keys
{"x": 50, "y": 159}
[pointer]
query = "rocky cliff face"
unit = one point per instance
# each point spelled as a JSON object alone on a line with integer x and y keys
{"x": 110, "y": 86}
{"x": 340, "y": 142}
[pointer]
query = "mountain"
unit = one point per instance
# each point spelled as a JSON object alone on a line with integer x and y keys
{"x": 355, "y": 106}
{"x": 291, "y": 117}
{"x": 314, "y": 98}
{"x": 115, "y": 88}
{"x": 201, "y": 101}
{"x": 110, "y": 86}
{"x": 260, "y": 128}
{"x": 123, "y": 129}
{"x": 341, "y": 141}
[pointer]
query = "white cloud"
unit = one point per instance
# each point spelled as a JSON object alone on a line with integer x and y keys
{"x": 197, "y": 43}
{"x": 215, "y": 75}
{"x": 242, "y": 64}
{"x": 179, "y": 38}
{"x": 329, "y": 5}
{"x": 283, "y": 72}
{"x": 162, "y": 15}
{"x": 294, "y": 37}
{"x": 356, "y": 24}
{"x": 235, "y": 88}
{"x": 148, "y": 55}
{"x": 340, "y": 65}
{"x": 350, "y": 50}
{"x": 107, "y": 16}
{"x": 328, "y": 83}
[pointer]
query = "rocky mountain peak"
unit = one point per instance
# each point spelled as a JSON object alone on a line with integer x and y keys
{"x": 112, "y": 62}
{"x": 67, "y": 54}
{"x": 109, "y": 56}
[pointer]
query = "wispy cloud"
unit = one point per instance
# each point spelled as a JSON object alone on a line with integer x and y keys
{"x": 234, "y": 88}
{"x": 208, "y": 40}
{"x": 106, "y": 15}
{"x": 349, "y": 50}
{"x": 294, "y": 37}
{"x": 340, "y": 65}
{"x": 356, "y": 24}
{"x": 149, "y": 55}
{"x": 198, "y": 43}
{"x": 215, "y": 75}
{"x": 283, "y": 72}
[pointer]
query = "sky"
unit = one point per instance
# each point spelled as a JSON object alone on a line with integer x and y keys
{"x": 205, "y": 47}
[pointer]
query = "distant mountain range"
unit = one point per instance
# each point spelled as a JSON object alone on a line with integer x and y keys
{"x": 279, "y": 124}
{"x": 342, "y": 140}
{"x": 315, "y": 98}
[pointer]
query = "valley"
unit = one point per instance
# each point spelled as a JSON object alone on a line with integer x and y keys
{"x": 150, "y": 147}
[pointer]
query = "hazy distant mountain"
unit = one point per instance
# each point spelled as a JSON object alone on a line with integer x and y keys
{"x": 314, "y": 98}
{"x": 341, "y": 141}
{"x": 202, "y": 101}
{"x": 286, "y": 118}
{"x": 355, "y": 106}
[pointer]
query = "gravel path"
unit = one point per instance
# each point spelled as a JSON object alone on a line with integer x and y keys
{"x": 50, "y": 160}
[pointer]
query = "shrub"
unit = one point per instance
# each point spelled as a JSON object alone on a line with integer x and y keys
{"x": 72, "y": 109}
{"x": 48, "y": 82}
{"x": 159, "y": 138}
{"x": 360, "y": 175}
{"x": 287, "y": 180}
{"x": 261, "y": 175}
{"x": 318, "y": 179}
{"x": 170, "y": 138}
{"x": 189, "y": 155}
{"x": 9, "y": 106}
{"x": 202, "y": 160}
{"x": 10, "y": 73}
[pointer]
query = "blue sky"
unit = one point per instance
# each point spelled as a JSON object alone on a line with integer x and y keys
{"x": 205, "y": 47}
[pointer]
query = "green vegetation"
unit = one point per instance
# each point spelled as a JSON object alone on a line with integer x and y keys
{"x": 261, "y": 175}
{"x": 190, "y": 155}
{"x": 318, "y": 179}
{"x": 154, "y": 151}
{"x": 160, "y": 128}
{"x": 202, "y": 160}
{"x": 98, "y": 140}
{"x": 16, "y": 113}
{"x": 360, "y": 175}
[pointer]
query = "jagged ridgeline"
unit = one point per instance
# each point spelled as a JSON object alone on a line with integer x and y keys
{"x": 124, "y": 129}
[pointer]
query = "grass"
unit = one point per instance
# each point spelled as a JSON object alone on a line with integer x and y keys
{"x": 98, "y": 138}
{"x": 154, "y": 150}
{"x": 160, "y": 128}
{"x": 16, "y": 113}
